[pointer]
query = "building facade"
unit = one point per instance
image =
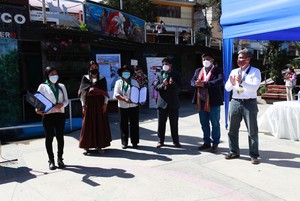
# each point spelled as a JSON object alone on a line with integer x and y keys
{"x": 28, "y": 45}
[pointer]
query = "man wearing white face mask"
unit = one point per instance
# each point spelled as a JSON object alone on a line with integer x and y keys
{"x": 244, "y": 83}
{"x": 54, "y": 119}
{"x": 208, "y": 96}
{"x": 166, "y": 83}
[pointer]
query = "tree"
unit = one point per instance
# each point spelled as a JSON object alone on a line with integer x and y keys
{"x": 275, "y": 60}
{"x": 216, "y": 4}
{"x": 9, "y": 89}
{"x": 139, "y": 8}
{"x": 296, "y": 61}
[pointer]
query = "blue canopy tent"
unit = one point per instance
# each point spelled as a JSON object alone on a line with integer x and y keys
{"x": 256, "y": 20}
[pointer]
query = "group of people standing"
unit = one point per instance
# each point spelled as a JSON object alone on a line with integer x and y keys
{"x": 208, "y": 83}
{"x": 243, "y": 82}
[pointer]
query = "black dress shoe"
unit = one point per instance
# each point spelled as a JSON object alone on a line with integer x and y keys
{"x": 205, "y": 146}
{"x": 232, "y": 156}
{"x": 60, "y": 163}
{"x": 214, "y": 149}
{"x": 177, "y": 144}
{"x": 159, "y": 145}
{"x": 254, "y": 161}
{"x": 135, "y": 146}
{"x": 100, "y": 151}
{"x": 124, "y": 146}
{"x": 51, "y": 165}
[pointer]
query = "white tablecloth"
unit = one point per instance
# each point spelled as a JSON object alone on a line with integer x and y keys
{"x": 282, "y": 119}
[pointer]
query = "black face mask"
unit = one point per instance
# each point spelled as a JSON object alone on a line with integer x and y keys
{"x": 94, "y": 71}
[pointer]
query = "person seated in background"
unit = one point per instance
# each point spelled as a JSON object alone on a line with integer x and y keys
{"x": 185, "y": 37}
{"x": 159, "y": 29}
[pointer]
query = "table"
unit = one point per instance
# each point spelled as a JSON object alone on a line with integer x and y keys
{"x": 282, "y": 119}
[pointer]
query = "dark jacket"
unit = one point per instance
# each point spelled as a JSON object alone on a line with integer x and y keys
{"x": 167, "y": 97}
{"x": 215, "y": 87}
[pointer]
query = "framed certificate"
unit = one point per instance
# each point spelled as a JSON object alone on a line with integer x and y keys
{"x": 39, "y": 101}
{"x": 138, "y": 95}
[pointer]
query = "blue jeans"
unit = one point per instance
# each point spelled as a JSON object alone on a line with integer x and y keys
{"x": 215, "y": 132}
{"x": 248, "y": 111}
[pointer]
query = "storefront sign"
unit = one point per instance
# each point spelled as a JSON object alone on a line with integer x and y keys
{"x": 9, "y": 18}
{"x": 12, "y": 17}
{"x": 5, "y": 34}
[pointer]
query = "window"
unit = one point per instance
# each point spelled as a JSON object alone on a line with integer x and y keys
{"x": 168, "y": 11}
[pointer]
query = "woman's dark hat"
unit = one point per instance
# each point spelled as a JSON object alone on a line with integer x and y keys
{"x": 125, "y": 67}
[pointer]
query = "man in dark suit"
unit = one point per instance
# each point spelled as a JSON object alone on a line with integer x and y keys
{"x": 166, "y": 83}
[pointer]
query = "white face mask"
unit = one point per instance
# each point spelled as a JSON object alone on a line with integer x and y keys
{"x": 206, "y": 63}
{"x": 53, "y": 78}
{"x": 165, "y": 67}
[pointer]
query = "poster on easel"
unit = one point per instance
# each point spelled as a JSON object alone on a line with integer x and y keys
{"x": 154, "y": 65}
{"x": 108, "y": 67}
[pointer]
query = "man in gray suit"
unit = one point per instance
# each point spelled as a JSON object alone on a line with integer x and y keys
{"x": 166, "y": 83}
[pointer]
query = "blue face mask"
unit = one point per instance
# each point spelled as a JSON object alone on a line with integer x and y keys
{"x": 126, "y": 75}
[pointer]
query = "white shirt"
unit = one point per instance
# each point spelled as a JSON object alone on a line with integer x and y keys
{"x": 62, "y": 96}
{"x": 250, "y": 84}
{"x": 291, "y": 80}
{"x": 118, "y": 91}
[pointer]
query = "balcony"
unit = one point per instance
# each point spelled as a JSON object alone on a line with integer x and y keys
{"x": 179, "y": 35}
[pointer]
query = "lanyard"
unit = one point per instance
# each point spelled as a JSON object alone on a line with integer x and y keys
{"x": 244, "y": 77}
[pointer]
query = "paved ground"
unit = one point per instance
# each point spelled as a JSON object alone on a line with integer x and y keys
{"x": 149, "y": 173}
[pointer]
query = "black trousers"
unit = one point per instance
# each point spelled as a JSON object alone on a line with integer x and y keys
{"x": 162, "y": 120}
{"x": 54, "y": 125}
{"x": 131, "y": 116}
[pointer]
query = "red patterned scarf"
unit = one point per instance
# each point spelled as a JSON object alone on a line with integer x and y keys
{"x": 202, "y": 77}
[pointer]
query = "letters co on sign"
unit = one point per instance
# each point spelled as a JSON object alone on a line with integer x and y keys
{"x": 8, "y": 18}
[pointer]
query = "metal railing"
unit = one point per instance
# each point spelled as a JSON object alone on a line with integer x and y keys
{"x": 70, "y": 122}
{"x": 177, "y": 31}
